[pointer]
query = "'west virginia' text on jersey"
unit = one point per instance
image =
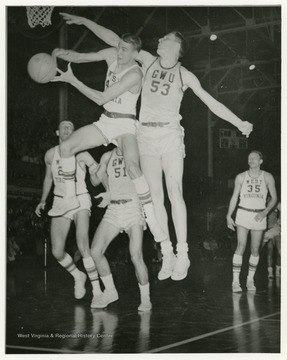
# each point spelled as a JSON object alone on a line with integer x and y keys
{"x": 253, "y": 192}
{"x": 126, "y": 102}
{"x": 57, "y": 172}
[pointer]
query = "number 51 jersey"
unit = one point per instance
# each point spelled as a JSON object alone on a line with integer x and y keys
{"x": 162, "y": 93}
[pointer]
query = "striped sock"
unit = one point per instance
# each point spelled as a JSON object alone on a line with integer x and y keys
{"x": 69, "y": 265}
{"x": 92, "y": 274}
{"x": 253, "y": 262}
{"x": 236, "y": 266}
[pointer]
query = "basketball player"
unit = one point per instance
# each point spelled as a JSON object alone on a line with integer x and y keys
{"x": 160, "y": 135}
{"x": 252, "y": 188}
{"x": 60, "y": 225}
{"x": 124, "y": 213}
{"x": 116, "y": 125}
{"x": 273, "y": 239}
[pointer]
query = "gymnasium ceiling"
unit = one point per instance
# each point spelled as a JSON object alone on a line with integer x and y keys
{"x": 245, "y": 36}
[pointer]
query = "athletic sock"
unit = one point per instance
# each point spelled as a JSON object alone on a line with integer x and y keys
{"x": 236, "y": 267}
{"x": 253, "y": 262}
{"x": 93, "y": 274}
{"x": 108, "y": 282}
{"x": 166, "y": 247}
{"x": 68, "y": 263}
{"x": 69, "y": 174}
{"x": 144, "y": 292}
{"x": 182, "y": 249}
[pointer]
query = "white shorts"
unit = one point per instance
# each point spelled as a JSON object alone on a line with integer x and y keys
{"x": 112, "y": 128}
{"x": 159, "y": 141}
{"x": 85, "y": 204}
{"x": 124, "y": 216}
{"x": 247, "y": 220}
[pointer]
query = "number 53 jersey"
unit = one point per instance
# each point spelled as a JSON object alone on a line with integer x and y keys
{"x": 162, "y": 93}
{"x": 253, "y": 192}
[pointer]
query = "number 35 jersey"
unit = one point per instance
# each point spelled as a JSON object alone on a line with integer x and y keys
{"x": 162, "y": 93}
{"x": 253, "y": 192}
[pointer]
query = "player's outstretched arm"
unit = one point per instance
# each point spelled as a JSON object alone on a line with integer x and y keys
{"x": 125, "y": 84}
{"x": 109, "y": 55}
{"x": 215, "y": 106}
{"x": 108, "y": 36}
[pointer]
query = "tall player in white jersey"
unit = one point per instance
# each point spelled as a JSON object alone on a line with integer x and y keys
{"x": 252, "y": 188}
{"x": 60, "y": 226}
{"x": 124, "y": 213}
{"x": 116, "y": 125}
{"x": 160, "y": 137}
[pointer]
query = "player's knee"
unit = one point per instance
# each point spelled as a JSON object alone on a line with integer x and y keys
{"x": 58, "y": 253}
{"x": 136, "y": 257}
{"x": 174, "y": 190}
{"x": 97, "y": 252}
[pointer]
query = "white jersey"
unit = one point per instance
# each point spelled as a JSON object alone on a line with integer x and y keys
{"x": 126, "y": 102}
{"x": 162, "y": 93}
{"x": 120, "y": 184}
{"x": 59, "y": 182}
{"x": 253, "y": 192}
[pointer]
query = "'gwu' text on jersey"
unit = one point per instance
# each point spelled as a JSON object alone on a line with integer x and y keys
{"x": 120, "y": 184}
{"x": 59, "y": 182}
{"x": 253, "y": 192}
{"x": 126, "y": 102}
{"x": 162, "y": 93}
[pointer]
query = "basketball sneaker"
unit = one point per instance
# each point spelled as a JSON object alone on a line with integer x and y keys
{"x": 105, "y": 299}
{"x": 236, "y": 288}
{"x": 181, "y": 267}
{"x": 250, "y": 285}
{"x": 64, "y": 205}
{"x": 79, "y": 287}
{"x": 168, "y": 263}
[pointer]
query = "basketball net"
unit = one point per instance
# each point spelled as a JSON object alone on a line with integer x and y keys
{"x": 39, "y": 15}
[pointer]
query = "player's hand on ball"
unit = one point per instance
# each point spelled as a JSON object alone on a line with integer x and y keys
{"x": 246, "y": 128}
{"x": 72, "y": 19}
{"x": 106, "y": 199}
{"x": 67, "y": 76}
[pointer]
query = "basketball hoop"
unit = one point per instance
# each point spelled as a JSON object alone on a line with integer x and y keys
{"x": 39, "y": 15}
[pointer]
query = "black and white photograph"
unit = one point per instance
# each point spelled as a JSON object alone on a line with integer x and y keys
{"x": 143, "y": 179}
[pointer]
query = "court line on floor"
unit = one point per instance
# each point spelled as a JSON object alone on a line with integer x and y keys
{"x": 183, "y": 342}
{"x": 64, "y": 351}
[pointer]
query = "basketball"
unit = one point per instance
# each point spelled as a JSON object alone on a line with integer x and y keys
{"x": 42, "y": 68}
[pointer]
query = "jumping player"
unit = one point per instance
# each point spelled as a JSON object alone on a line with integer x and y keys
{"x": 252, "y": 188}
{"x": 161, "y": 137}
{"x": 124, "y": 213}
{"x": 116, "y": 125}
{"x": 60, "y": 226}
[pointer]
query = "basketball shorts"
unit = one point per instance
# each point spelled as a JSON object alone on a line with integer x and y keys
{"x": 85, "y": 204}
{"x": 124, "y": 216}
{"x": 112, "y": 128}
{"x": 247, "y": 220}
{"x": 160, "y": 141}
